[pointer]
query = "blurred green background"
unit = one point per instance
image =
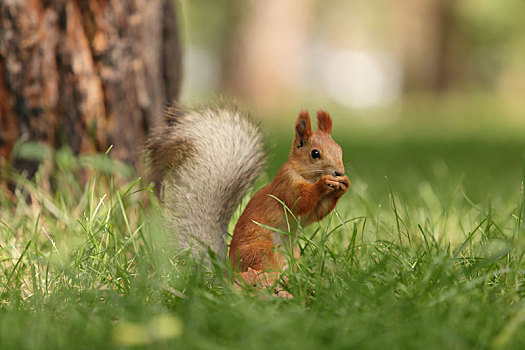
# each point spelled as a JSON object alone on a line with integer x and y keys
{"x": 421, "y": 91}
{"x": 426, "y": 97}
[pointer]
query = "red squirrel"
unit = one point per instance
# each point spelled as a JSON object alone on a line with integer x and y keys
{"x": 310, "y": 183}
{"x": 203, "y": 161}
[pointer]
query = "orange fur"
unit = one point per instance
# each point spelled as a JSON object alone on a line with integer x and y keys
{"x": 309, "y": 186}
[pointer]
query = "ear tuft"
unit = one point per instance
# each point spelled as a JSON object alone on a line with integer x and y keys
{"x": 324, "y": 122}
{"x": 303, "y": 129}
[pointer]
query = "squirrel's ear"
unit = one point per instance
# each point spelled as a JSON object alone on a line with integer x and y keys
{"x": 303, "y": 129}
{"x": 324, "y": 122}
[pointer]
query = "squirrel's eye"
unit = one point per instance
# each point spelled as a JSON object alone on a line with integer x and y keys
{"x": 316, "y": 154}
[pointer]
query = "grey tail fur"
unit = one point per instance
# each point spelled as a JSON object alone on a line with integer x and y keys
{"x": 202, "y": 162}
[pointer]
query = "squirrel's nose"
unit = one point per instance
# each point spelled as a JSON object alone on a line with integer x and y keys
{"x": 337, "y": 173}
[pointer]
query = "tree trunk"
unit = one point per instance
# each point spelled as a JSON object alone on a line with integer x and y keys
{"x": 87, "y": 74}
{"x": 263, "y": 67}
{"x": 426, "y": 36}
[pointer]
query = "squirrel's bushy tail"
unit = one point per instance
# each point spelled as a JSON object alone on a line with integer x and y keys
{"x": 203, "y": 161}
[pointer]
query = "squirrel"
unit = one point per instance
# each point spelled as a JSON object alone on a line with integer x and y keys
{"x": 203, "y": 161}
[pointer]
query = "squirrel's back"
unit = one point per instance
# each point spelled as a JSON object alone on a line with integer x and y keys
{"x": 203, "y": 161}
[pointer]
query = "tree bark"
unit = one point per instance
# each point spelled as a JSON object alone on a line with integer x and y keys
{"x": 86, "y": 74}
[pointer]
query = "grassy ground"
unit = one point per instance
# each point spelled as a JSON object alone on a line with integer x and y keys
{"x": 427, "y": 251}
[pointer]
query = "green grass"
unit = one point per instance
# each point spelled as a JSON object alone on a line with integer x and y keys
{"x": 427, "y": 251}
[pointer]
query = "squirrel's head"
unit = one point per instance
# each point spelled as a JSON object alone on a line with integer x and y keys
{"x": 315, "y": 153}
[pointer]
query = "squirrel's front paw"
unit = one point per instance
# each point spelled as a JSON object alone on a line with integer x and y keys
{"x": 329, "y": 183}
{"x": 335, "y": 183}
{"x": 344, "y": 183}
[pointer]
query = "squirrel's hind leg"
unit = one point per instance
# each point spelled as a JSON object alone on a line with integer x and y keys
{"x": 262, "y": 280}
